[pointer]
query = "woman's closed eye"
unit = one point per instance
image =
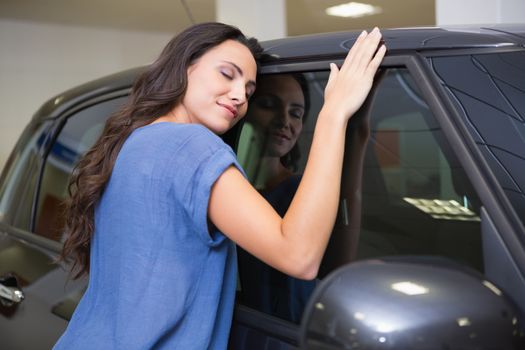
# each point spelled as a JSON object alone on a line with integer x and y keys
{"x": 227, "y": 73}
{"x": 296, "y": 113}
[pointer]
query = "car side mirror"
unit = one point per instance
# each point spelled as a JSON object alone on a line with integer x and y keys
{"x": 409, "y": 303}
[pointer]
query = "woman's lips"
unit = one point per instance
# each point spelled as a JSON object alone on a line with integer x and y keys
{"x": 231, "y": 109}
{"x": 280, "y": 137}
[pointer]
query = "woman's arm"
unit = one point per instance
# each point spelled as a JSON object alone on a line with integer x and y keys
{"x": 295, "y": 244}
{"x": 342, "y": 246}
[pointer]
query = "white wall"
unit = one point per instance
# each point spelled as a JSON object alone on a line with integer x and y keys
{"x": 40, "y": 60}
{"x": 449, "y": 12}
{"x": 264, "y": 20}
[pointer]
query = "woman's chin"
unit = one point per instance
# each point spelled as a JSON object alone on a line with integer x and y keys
{"x": 277, "y": 151}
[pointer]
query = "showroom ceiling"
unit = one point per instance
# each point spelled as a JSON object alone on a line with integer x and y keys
{"x": 303, "y": 16}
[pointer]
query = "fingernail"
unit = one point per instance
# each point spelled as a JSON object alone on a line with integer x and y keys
{"x": 363, "y": 33}
{"x": 375, "y": 30}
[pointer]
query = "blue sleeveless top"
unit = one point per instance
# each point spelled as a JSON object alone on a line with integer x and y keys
{"x": 159, "y": 279}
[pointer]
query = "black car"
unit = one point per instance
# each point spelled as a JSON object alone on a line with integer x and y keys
{"x": 428, "y": 251}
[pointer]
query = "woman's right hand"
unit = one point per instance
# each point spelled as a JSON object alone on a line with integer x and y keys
{"x": 348, "y": 87}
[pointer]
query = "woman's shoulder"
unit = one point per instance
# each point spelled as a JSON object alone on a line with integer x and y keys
{"x": 169, "y": 134}
{"x": 171, "y": 128}
{"x": 170, "y": 145}
{"x": 165, "y": 142}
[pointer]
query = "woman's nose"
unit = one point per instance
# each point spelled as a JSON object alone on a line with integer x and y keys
{"x": 238, "y": 94}
{"x": 281, "y": 118}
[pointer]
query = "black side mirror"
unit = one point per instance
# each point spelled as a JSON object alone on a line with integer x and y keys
{"x": 409, "y": 303}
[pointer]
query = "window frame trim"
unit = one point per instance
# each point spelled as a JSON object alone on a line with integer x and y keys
{"x": 278, "y": 328}
{"x": 55, "y": 130}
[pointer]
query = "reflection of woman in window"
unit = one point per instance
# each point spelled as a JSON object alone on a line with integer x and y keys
{"x": 276, "y": 114}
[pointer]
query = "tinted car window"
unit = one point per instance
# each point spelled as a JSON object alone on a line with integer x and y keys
{"x": 489, "y": 90}
{"x": 19, "y": 176}
{"x": 79, "y": 133}
{"x": 416, "y": 197}
{"x": 277, "y": 135}
{"x": 403, "y": 190}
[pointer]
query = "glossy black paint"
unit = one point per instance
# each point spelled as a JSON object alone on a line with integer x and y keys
{"x": 396, "y": 40}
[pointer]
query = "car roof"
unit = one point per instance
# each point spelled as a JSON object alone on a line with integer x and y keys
{"x": 315, "y": 47}
{"x": 397, "y": 39}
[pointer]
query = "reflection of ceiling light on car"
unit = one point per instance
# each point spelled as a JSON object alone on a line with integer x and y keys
{"x": 353, "y": 9}
{"x": 381, "y": 323}
{"x": 319, "y": 306}
{"x": 443, "y": 209}
{"x": 385, "y": 327}
{"x": 409, "y": 288}
{"x": 359, "y": 316}
{"x": 463, "y": 321}
{"x": 492, "y": 287}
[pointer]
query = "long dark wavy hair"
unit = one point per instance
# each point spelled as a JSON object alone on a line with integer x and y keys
{"x": 155, "y": 93}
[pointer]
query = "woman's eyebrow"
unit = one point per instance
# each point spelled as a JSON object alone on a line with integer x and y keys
{"x": 238, "y": 69}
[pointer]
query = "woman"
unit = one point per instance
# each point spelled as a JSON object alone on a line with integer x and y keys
{"x": 159, "y": 200}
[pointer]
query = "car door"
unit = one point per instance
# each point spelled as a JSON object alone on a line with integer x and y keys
{"x": 26, "y": 260}
{"x": 405, "y": 191}
{"x": 32, "y": 194}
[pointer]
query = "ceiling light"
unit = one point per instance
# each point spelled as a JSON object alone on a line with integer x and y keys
{"x": 353, "y": 9}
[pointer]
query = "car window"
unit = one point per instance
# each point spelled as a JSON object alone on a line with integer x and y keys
{"x": 19, "y": 176}
{"x": 403, "y": 191}
{"x": 415, "y": 196}
{"x": 272, "y": 149}
{"x": 489, "y": 90}
{"x": 78, "y": 134}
